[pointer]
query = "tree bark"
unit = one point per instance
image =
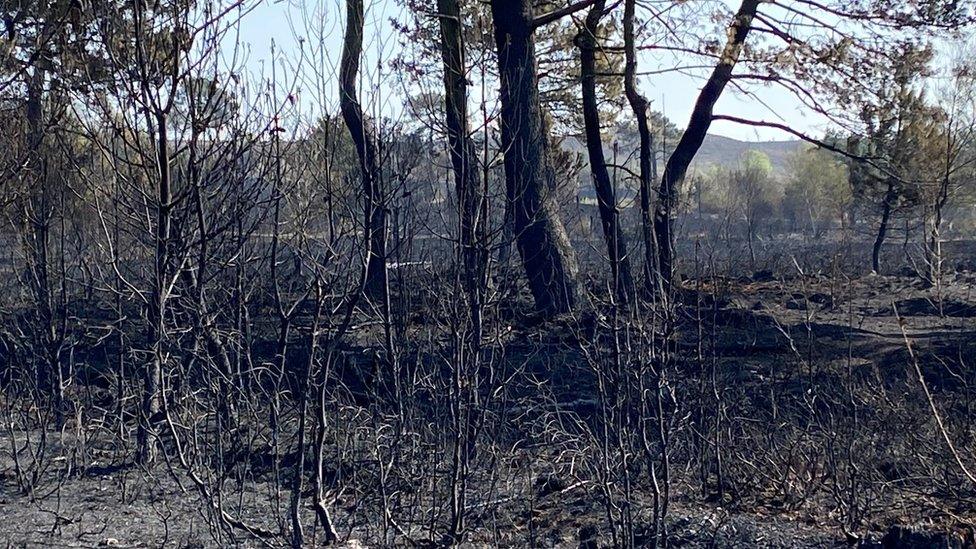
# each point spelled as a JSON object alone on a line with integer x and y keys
{"x": 374, "y": 214}
{"x": 157, "y": 118}
{"x": 153, "y": 372}
{"x": 38, "y": 213}
{"x": 934, "y": 249}
{"x": 882, "y": 229}
{"x": 547, "y": 255}
{"x": 473, "y": 254}
{"x": 640, "y": 106}
{"x": 462, "y": 148}
{"x": 701, "y": 119}
{"x": 622, "y": 282}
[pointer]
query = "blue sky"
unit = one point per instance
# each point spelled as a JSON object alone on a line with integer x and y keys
{"x": 276, "y": 21}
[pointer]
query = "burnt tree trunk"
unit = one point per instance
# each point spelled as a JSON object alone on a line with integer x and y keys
{"x": 374, "y": 214}
{"x": 473, "y": 254}
{"x": 622, "y": 282}
{"x": 933, "y": 249}
{"x": 38, "y": 214}
{"x": 933, "y": 252}
{"x": 157, "y": 118}
{"x": 694, "y": 135}
{"x": 540, "y": 236}
{"x": 462, "y": 150}
{"x": 640, "y": 106}
{"x": 153, "y": 373}
{"x": 882, "y": 228}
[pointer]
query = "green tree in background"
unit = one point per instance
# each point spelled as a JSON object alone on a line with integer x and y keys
{"x": 901, "y": 140}
{"x": 817, "y": 190}
{"x": 755, "y": 192}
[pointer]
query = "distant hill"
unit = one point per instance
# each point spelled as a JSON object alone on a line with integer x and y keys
{"x": 726, "y": 152}
{"x": 721, "y": 151}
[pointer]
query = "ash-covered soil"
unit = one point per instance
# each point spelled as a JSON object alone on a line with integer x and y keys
{"x": 795, "y": 358}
